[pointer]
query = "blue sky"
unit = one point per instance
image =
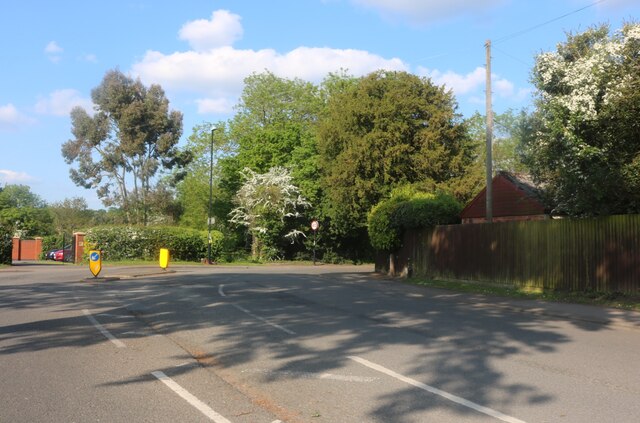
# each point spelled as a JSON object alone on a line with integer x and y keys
{"x": 54, "y": 53}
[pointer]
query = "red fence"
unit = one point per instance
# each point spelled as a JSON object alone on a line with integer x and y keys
{"x": 26, "y": 249}
{"x": 588, "y": 254}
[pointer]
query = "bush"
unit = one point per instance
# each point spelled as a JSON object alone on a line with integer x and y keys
{"x": 6, "y": 245}
{"x": 405, "y": 211}
{"x": 144, "y": 243}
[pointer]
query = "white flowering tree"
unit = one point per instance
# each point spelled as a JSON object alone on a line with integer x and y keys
{"x": 587, "y": 144}
{"x": 266, "y": 205}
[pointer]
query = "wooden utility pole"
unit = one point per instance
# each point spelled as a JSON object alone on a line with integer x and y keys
{"x": 489, "y": 189}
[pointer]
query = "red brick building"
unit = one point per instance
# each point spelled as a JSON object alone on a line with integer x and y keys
{"x": 515, "y": 197}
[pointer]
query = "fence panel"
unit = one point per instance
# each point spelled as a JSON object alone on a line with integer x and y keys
{"x": 600, "y": 254}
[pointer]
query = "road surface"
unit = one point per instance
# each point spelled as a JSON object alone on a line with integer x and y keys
{"x": 297, "y": 344}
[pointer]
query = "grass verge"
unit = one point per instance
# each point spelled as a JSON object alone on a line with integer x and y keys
{"x": 606, "y": 299}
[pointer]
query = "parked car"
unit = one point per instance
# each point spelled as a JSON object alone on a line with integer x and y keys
{"x": 60, "y": 254}
{"x": 51, "y": 254}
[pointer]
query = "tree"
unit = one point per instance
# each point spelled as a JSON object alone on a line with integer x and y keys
{"x": 389, "y": 129}
{"x": 264, "y": 202}
{"x": 193, "y": 190}
{"x": 510, "y": 133}
{"x": 587, "y": 144}
{"x": 119, "y": 150}
{"x": 23, "y": 212}
{"x": 70, "y": 215}
{"x": 275, "y": 126}
{"x": 407, "y": 209}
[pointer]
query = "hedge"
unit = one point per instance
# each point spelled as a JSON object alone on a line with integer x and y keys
{"x": 6, "y": 245}
{"x": 389, "y": 219}
{"x": 144, "y": 243}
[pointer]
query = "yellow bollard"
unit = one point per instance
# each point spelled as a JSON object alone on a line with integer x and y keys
{"x": 164, "y": 258}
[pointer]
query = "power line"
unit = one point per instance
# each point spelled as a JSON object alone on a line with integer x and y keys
{"x": 511, "y": 56}
{"x": 524, "y": 31}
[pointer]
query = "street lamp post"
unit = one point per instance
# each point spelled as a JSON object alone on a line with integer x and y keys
{"x": 210, "y": 195}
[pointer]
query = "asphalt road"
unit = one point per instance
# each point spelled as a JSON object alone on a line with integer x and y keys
{"x": 297, "y": 344}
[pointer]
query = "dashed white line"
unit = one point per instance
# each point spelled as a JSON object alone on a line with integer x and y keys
{"x": 104, "y": 331}
{"x": 262, "y": 319}
{"x": 192, "y": 400}
{"x": 220, "y": 291}
{"x": 436, "y": 391}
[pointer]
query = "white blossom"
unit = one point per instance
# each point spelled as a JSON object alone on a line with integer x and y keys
{"x": 582, "y": 85}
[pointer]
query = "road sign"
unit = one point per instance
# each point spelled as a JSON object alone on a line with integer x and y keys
{"x": 314, "y": 225}
{"x": 95, "y": 262}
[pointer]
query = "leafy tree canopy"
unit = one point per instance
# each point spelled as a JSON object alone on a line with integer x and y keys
{"x": 70, "y": 214}
{"x": 274, "y": 126}
{"x": 121, "y": 146}
{"x": 386, "y": 130}
{"x": 587, "y": 143}
{"x": 24, "y": 212}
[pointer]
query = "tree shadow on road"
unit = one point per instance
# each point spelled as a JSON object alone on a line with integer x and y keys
{"x": 310, "y": 324}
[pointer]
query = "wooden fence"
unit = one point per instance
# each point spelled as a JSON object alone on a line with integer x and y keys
{"x": 588, "y": 254}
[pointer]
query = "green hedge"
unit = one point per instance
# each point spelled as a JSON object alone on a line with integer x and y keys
{"x": 144, "y": 243}
{"x": 406, "y": 211}
{"x": 6, "y": 245}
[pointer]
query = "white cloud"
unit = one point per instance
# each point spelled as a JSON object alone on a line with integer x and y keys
{"x": 222, "y": 30}
{"x": 60, "y": 103}
{"x": 53, "y": 48}
{"x": 11, "y": 118}
{"x": 460, "y": 84}
{"x": 502, "y": 87}
{"x": 11, "y": 177}
{"x": 53, "y": 51}
{"x": 214, "y": 105}
{"x": 218, "y": 74}
{"x": 425, "y": 11}
{"x": 474, "y": 82}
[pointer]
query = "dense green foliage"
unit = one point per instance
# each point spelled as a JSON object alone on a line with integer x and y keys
{"x": 144, "y": 243}
{"x": 24, "y": 213}
{"x": 6, "y": 245}
{"x": 275, "y": 126}
{"x": 386, "y": 130}
{"x": 71, "y": 215}
{"x": 587, "y": 143}
{"x": 131, "y": 136}
{"x": 193, "y": 190}
{"x": 405, "y": 210}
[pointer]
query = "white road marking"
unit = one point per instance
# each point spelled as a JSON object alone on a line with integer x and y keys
{"x": 310, "y": 375}
{"x": 262, "y": 319}
{"x": 425, "y": 387}
{"x": 104, "y": 331}
{"x": 187, "y": 396}
{"x": 220, "y": 291}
